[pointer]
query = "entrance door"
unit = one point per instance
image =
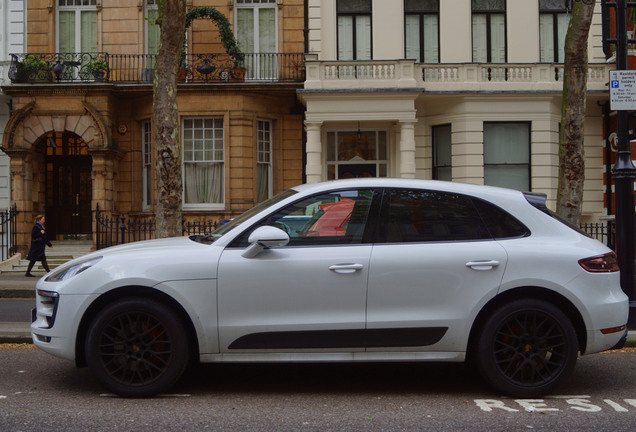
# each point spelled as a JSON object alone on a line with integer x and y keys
{"x": 69, "y": 188}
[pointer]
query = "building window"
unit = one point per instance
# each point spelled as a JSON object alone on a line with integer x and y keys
{"x": 357, "y": 154}
{"x": 354, "y": 29}
{"x": 489, "y": 31}
{"x": 146, "y": 156}
{"x": 263, "y": 160}
{"x": 152, "y": 32}
{"x": 203, "y": 162}
{"x": 442, "y": 155}
{"x": 77, "y": 26}
{"x": 256, "y": 35}
{"x": 507, "y": 155}
{"x": 553, "y": 25}
{"x": 421, "y": 29}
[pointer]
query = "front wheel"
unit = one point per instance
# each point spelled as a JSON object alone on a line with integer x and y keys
{"x": 526, "y": 348}
{"x": 137, "y": 347}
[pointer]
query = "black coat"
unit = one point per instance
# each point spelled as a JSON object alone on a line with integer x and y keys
{"x": 38, "y": 243}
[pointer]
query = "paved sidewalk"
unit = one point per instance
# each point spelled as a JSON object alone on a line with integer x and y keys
{"x": 19, "y": 286}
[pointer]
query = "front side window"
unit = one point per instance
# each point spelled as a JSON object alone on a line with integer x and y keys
{"x": 257, "y": 37}
{"x": 553, "y": 25}
{"x": 421, "y": 27}
{"x": 77, "y": 26}
{"x": 430, "y": 216}
{"x": 507, "y": 155}
{"x": 442, "y": 153}
{"x": 354, "y": 29}
{"x": 203, "y": 163}
{"x": 263, "y": 160}
{"x": 146, "y": 179}
{"x": 357, "y": 154}
{"x": 331, "y": 218}
{"x": 489, "y": 31}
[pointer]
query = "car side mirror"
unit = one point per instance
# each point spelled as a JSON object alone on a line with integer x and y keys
{"x": 265, "y": 237}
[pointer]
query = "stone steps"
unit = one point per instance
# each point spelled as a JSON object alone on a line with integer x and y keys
{"x": 61, "y": 252}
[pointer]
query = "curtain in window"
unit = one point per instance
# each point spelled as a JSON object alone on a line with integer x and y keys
{"x": 363, "y": 37}
{"x": 413, "y": 37}
{"x": 480, "y": 39}
{"x": 563, "y": 20}
{"x": 89, "y": 31}
{"x": 507, "y": 155}
{"x": 203, "y": 182}
{"x": 345, "y": 38}
{"x": 498, "y": 38}
{"x": 431, "y": 43}
{"x": 267, "y": 42}
{"x": 262, "y": 181}
{"x": 66, "y": 32}
{"x": 546, "y": 37}
{"x": 153, "y": 34}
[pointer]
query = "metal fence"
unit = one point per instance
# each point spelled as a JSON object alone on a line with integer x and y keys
{"x": 112, "y": 231}
{"x": 8, "y": 231}
{"x": 603, "y": 232}
{"x": 139, "y": 68}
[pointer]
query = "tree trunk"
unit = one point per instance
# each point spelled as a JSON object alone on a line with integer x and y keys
{"x": 172, "y": 14}
{"x": 571, "y": 150}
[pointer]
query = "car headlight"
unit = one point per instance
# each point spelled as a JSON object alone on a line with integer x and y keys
{"x": 75, "y": 269}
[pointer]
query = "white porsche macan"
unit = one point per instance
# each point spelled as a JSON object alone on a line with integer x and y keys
{"x": 352, "y": 270}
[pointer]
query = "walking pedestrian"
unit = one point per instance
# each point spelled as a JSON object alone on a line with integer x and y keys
{"x": 39, "y": 242}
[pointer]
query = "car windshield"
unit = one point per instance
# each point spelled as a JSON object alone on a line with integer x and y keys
{"x": 227, "y": 227}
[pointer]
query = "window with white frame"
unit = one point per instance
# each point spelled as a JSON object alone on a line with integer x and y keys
{"x": 353, "y": 154}
{"x": 421, "y": 29}
{"x": 203, "y": 163}
{"x": 442, "y": 154}
{"x": 507, "y": 154}
{"x": 256, "y": 36}
{"x": 263, "y": 160}
{"x": 77, "y": 26}
{"x": 553, "y": 25}
{"x": 354, "y": 29}
{"x": 146, "y": 156}
{"x": 489, "y": 31}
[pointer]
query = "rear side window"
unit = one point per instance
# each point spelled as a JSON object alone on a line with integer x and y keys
{"x": 500, "y": 223}
{"x": 429, "y": 216}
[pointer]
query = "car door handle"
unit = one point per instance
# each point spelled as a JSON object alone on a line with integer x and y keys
{"x": 482, "y": 265}
{"x": 346, "y": 268}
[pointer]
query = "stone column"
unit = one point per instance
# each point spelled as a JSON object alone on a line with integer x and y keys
{"x": 314, "y": 167}
{"x": 407, "y": 149}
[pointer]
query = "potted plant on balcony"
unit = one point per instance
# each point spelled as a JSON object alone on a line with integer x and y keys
{"x": 33, "y": 69}
{"x": 98, "y": 69}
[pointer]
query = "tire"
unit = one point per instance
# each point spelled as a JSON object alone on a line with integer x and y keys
{"x": 526, "y": 348}
{"x": 137, "y": 347}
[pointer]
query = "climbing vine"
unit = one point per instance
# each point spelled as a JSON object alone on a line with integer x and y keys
{"x": 225, "y": 30}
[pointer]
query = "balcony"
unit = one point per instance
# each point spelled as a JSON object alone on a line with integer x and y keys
{"x": 455, "y": 77}
{"x": 56, "y": 68}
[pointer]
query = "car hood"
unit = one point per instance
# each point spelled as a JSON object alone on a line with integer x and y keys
{"x": 149, "y": 263}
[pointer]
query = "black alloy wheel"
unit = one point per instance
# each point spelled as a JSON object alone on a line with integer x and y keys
{"x": 137, "y": 347}
{"x": 527, "y": 347}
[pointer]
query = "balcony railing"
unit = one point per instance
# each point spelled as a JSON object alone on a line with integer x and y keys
{"x": 139, "y": 68}
{"x": 448, "y": 77}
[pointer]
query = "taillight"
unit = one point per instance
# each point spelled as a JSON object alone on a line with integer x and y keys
{"x": 606, "y": 263}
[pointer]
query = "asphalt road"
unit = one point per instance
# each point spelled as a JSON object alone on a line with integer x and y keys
{"x": 40, "y": 392}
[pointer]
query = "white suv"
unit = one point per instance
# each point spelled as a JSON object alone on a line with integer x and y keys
{"x": 352, "y": 270}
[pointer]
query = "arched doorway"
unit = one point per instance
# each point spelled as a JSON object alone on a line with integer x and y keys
{"x": 69, "y": 188}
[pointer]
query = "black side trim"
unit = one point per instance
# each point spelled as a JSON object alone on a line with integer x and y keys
{"x": 360, "y": 338}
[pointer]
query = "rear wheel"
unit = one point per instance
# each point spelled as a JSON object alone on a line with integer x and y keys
{"x": 137, "y": 347}
{"x": 526, "y": 348}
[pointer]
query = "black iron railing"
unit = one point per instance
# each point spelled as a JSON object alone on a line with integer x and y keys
{"x": 8, "y": 231}
{"x": 112, "y": 231}
{"x": 603, "y": 232}
{"x": 139, "y": 68}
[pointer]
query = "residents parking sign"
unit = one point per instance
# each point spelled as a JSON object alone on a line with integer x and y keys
{"x": 623, "y": 90}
